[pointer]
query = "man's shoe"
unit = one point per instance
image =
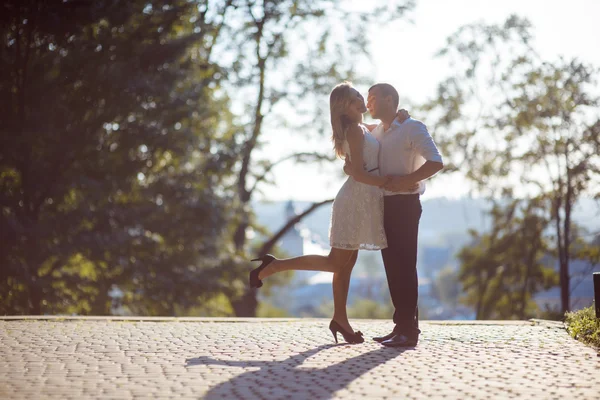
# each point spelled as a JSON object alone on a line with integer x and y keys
{"x": 384, "y": 338}
{"x": 400, "y": 340}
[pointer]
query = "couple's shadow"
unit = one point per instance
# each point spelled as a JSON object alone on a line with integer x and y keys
{"x": 292, "y": 377}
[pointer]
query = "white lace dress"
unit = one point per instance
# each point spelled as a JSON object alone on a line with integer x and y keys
{"x": 357, "y": 211}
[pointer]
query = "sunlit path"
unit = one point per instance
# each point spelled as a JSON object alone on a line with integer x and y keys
{"x": 293, "y": 358}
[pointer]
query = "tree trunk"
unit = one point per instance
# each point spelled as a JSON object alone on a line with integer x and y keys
{"x": 563, "y": 271}
{"x": 533, "y": 248}
{"x": 35, "y": 298}
{"x": 479, "y": 298}
{"x": 102, "y": 302}
{"x": 564, "y": 265}
{"x": 246, "y": 305}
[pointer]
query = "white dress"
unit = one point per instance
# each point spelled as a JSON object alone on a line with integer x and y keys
{"x": 357, "y": 211}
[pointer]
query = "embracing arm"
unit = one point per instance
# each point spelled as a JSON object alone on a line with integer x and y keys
{"x": 347, "y": 167}
{"x": 355, "y": 138}
{"x": 426, "y": 171}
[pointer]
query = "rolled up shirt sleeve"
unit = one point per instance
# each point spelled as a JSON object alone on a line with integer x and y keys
{"x": 423, "y": 143}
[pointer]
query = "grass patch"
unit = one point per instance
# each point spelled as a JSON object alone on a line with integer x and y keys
{"x": 584, "y": 326}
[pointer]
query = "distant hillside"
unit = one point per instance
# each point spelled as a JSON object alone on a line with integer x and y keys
{"x": 442, "y": 217}
{"x": 443, "y": 231}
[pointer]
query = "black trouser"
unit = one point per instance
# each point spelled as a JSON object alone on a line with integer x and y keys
{"x": 401, "y": 222}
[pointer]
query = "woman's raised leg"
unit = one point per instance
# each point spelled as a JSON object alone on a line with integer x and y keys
{"x": 339, "y": 261}
{"x": 302, "y": 263}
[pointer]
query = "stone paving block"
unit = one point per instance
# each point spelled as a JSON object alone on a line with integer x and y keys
{"x": 293, "y": 359}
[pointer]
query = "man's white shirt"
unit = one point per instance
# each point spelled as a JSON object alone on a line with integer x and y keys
{"x": 404, "y": 148}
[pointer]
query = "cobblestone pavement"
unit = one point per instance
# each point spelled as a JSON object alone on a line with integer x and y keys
{"x": 289, "y": 359}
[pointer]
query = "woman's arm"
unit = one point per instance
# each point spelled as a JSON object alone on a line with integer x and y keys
{"x": 402, "y": 115}
{"x": 355, "y": 138}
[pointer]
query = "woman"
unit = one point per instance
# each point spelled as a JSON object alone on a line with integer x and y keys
{"x": 357, "y": 212}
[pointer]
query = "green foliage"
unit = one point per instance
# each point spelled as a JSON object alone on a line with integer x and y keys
{"x": 505, "y": 113}
{"x": 267, "y": 310}
{"x": 518, "y": 126}
{"x": 214, "y": 306}
{"x": 584, "y": 326}
{"x": 123, "y": 170}
{"x": 106, "y": 180}
{"x": 502, "y": 270}
{"x": 367, "y": 308}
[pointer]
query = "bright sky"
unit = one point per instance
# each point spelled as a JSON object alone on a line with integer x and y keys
{"x": 562, "y": 28}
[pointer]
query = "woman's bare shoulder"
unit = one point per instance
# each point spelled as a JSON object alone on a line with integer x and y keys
{"x": 354, "y": 131}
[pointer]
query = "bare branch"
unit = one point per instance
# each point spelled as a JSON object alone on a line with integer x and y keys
{"x": 296, "y": 156}
{"x": 269, "y": 244}
{"x": 217, "y": 32}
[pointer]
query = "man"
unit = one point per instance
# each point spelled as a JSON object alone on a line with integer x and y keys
{"x": 409, "y": 154}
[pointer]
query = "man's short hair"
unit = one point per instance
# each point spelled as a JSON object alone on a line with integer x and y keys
{"x": 387, "y": 90}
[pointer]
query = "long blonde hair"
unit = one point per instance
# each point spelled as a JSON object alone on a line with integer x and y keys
{"x": 338, "y": 102}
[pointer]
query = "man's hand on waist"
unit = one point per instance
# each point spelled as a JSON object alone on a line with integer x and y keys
{"x": 402, "y": 184}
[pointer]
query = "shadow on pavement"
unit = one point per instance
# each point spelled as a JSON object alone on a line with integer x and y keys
{"x": 292, "y": 377}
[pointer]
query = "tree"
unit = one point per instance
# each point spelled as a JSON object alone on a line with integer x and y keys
{"x": 102, "y": 159}
{"x": 503, "y": 269}
{"x": 519, "y": 126}
{"x": 271, "y": 70}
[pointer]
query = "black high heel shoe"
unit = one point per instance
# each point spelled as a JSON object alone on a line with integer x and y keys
{"x": 355, "y": 337}
{"x": 254, "y": 281}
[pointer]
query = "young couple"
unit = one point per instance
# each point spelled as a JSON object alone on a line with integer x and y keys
{"x": 377, "y": 208}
